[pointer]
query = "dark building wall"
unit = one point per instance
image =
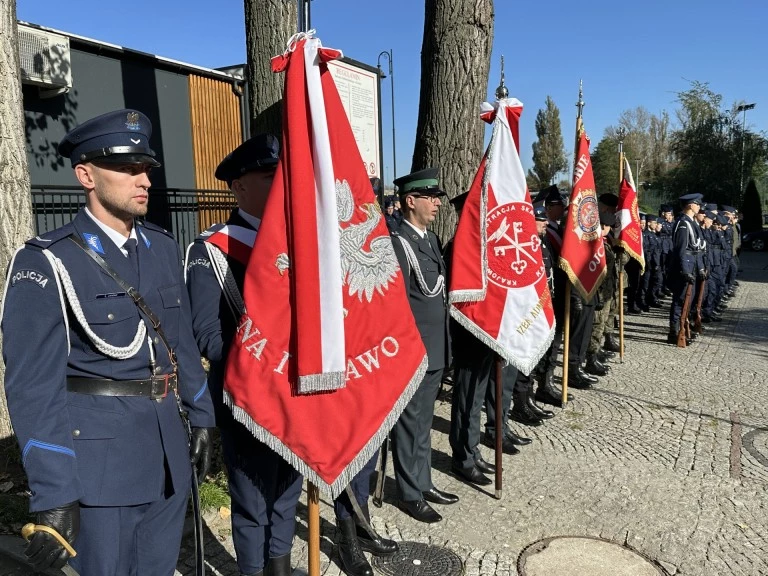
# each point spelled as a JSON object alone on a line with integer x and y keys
{"x": 102, "y": 83}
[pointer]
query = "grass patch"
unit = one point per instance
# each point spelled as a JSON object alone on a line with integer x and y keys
{"x": 214, "y": 493}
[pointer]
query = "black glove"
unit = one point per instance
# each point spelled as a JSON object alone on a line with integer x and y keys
{"x": 200, "y": 452}
{"x": 577, "y": 305}
{"x": 703, "y": 274}
{"x": 688, "y": 277}
{"x": 43, "y": 550}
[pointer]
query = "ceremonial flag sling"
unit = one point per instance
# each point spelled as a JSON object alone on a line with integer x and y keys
{"x": 320, "y": 369}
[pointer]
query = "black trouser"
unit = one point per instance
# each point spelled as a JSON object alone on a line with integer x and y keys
{"x": 411, "y": 443}
{"x": 508, "y": 378}
{"x": 581, "y": 332}
{"x": 469, "y": 388}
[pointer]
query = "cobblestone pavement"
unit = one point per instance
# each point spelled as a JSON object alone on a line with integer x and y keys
{"x": 669, "y": 454}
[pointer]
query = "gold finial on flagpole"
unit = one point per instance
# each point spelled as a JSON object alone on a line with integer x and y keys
{"x": 501, "y": 91}
{"x": 580, "y": 103}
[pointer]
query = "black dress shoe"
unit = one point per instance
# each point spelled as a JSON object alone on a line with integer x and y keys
{"x": 655, "y": 304}
{"x": 594, "y": 366}
{"x": 612, "y": 343}
{"x": 439, "y": 497}
{"x": 604, "y": 355}
{"x": 353, "y": 561}
{"x": 279, "y": 566}
{"x": 419, "y": 510}
{"x": 485, "y": 467}
{"x": 471, "y": 475}
{"x": 538, "y": 411}
{"x": 507, "y": 446}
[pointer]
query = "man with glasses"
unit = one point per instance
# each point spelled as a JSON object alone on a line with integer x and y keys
{"x": 419, "y": 254}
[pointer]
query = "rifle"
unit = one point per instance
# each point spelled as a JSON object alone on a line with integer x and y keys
{"x": 701, "y": 288}
{"x": 684, "y": 332}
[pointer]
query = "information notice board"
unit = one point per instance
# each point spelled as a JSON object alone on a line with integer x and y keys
{"x": 359, "y": 91}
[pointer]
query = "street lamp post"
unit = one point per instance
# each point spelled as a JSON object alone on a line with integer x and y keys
{"x": 743, "y": 108}
{"x": 388, "y": 54}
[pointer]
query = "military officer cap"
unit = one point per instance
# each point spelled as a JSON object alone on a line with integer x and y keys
{"x": 711, "y": 206}
{"x": 258, "y": 153}
{"x": 388, "y": 203}
{"x": 119, "y": 137}
{"x": 726, "y": 208}
{"x": 422, "y": 182}
{"x": 642, "y": 215}
{"x": 665, "y": 208}
{"x": 650, "y": 218}
{"x": 693, "y": 198}
{"x": 709, "y": 214}
{"x": 610, "y": 200}
{"x": 608, "y": 219}
{"x": 722, "y": 219}
{"x": 458, "y": 201}
{"x": 540, "y": 213}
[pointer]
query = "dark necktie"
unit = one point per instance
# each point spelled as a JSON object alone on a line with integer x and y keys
{"x": 131, "y": 247}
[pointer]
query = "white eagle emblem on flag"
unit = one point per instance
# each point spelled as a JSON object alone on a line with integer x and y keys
{"x": 363, "y": 271}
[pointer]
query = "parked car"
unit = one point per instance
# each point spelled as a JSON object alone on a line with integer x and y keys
{"x": 757, "y": 241}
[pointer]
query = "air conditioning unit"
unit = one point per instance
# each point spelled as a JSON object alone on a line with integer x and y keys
{"x": 45, "y": 59}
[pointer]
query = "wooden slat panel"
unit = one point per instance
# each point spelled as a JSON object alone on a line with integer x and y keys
{"x": 216, "y": 131}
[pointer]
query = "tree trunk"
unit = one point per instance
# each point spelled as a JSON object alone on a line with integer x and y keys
{"x": 15, "y": 198}
{"x": 455, "y": 60}
{"x": 268, "y": 26}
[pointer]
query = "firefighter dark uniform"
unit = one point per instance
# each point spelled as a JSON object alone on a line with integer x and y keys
{"x": 92, "y": 389}
{"x": 265, "y": 489}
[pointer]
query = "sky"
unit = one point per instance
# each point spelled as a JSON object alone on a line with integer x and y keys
{"x": 627, "y": 55}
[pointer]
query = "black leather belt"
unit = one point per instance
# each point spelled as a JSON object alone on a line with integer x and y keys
{"x": 156, "y": 387}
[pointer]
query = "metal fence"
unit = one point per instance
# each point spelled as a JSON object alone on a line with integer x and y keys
{"x": 183, "y": 212}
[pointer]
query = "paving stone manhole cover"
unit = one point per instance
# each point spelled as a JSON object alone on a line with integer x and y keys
{"x": 584, "y": 556}
{"x": 417, "y": 559}
{"x": 756, "y": 443}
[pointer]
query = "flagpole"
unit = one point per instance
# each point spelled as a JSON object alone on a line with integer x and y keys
{"x": 313, "y": 493}
{"x": 566, "y": 341}
{"x": 499, "y": 427}
{"x": 567, "y": 327}
{"x": 621, "y": 133}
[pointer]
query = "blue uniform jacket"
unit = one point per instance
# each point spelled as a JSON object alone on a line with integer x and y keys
{"x": 213, "y": 322}
{"x": 100, "y": 450}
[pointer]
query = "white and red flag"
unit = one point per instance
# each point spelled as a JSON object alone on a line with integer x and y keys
{"x": 498, "y": 285}
{"x": 630, "y": 233}
{"x": 583, "y": 253}
{"x": 321, "y": 367}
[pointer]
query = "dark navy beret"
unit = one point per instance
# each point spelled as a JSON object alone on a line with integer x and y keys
{"x": 609, "y": 199}
{"x": 694, "y": 198}
{"x": 119, "y": 137}
{"x": 259, "y": 152}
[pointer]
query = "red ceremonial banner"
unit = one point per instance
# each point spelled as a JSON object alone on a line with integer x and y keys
{"x": 630, "y": 233}
{"x": 498, "y": 285}
{"x": 583, "y": 253}
{"x": 326, "y": 355}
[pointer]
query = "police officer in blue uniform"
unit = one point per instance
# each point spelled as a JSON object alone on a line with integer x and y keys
{"x": 666, "y": 227}
{"x": 685, "y": 260}
{"x": 265, "y": 489}
{"x": 419, "y": 253}
{"x": 95, "y": 382}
